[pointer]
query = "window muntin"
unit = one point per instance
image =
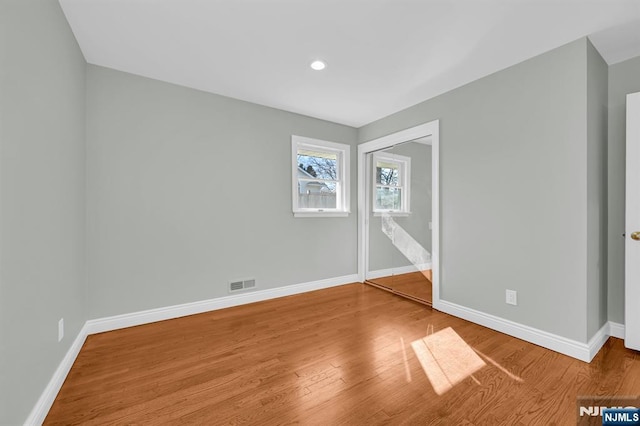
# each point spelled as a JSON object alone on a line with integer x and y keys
{"x": 391, "y": 186}
{"x": 320, "y": 177}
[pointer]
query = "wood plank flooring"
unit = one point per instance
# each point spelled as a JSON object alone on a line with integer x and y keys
{"x": 414, "y": 285}
{"x": 343, "y": 355}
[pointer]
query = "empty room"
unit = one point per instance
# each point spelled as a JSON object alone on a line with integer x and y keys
{"x": 319, "y": 212}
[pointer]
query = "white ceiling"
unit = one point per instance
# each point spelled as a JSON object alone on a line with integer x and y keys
{"x": 382, "y": 55}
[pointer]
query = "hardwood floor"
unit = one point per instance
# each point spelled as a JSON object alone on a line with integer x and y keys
{"x": 414, "y": 285}
{"x": 343, "y": 355}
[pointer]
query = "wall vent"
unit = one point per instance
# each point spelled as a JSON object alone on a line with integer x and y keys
{"x": 240, "y": 285}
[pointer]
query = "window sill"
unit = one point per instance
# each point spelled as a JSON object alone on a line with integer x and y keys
{"x": 392, "y": 214}
{"x": 320, "y": 214}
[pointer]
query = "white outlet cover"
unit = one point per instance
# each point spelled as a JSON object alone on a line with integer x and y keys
{"x": 512, "y": 297}
{"x": 60, "y": 329}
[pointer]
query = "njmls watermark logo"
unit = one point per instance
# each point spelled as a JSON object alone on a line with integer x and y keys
{"x": 609, "y": 410}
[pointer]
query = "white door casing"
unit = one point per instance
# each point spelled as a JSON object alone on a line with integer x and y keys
{"x": 632, "y": 225}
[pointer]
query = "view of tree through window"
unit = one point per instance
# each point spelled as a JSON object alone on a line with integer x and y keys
{"x": 319, "y": 164}
{"x": 386, "y": 173}
{"x": 391, "y": 177}
{"x": 317, "y": 183}
{"x": 388, "y": 195}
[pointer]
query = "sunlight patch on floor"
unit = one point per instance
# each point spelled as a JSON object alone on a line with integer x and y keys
{"x": 446, "y": 359}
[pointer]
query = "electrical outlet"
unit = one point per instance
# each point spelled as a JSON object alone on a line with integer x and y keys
{"x": 60, "y": 329}
{"x": 512, "y": 297}
{"x": 430, "y": 226}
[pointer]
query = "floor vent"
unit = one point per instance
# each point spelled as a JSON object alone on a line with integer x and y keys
{"x": 242, "y": 285}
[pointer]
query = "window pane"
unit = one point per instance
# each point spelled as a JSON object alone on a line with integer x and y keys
{"x": 388, "y": 198}
{"x": 317, "y": 195}
{"x": 387, "y": 174}
{"x": 322, "y": 165}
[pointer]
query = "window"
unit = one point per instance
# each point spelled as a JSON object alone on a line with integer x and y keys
{"x": 320, "y": 177}
{"x": 391, "y": 186}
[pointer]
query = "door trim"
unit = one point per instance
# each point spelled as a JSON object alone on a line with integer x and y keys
{"x": 430, "y": 132}
{"x": 632, "y": 224}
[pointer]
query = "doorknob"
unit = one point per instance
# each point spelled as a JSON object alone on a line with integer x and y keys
{"x": 635, "y": 235}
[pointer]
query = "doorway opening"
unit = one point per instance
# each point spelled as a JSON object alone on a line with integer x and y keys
{"x": 398, "y": 216}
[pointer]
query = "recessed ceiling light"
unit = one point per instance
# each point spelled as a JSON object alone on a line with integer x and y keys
{"x": 318, "y": 65}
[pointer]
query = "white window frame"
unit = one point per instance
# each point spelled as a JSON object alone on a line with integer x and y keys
{"x": 404, "y": 179}
{"x": 343, "y": 201}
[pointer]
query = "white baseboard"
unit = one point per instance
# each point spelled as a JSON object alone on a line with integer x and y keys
{"x": 396, "y": 271}
{"x": 160, "y": 314}
{"x": 610, "y": 329}
{"x": 42, "y": 407}
{"x": 616, "y": 330}
{"x": 597, "y": 341}
{"x": 582, "y": 351}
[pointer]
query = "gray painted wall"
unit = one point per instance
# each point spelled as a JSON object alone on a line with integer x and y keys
{"x": 624, "y": 78}
{"x": 514, "y": 173}
{"x": 189, "y": 190}
{"x": 42, "y": 202}
{"x": 382, "y": 253}
{"x": 597, "y": 89}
